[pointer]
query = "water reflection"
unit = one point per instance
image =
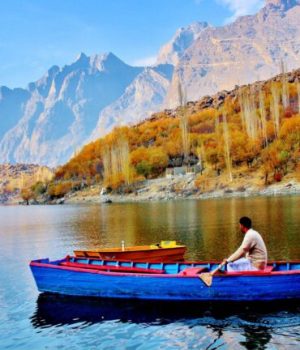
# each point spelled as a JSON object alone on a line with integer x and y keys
{"x": 210, "y": 231}
{"x": 208, "y": 228}
{"x": 216, "y": 325}
{"x": 256, "y": 338}
{"x": 256, "y": 319}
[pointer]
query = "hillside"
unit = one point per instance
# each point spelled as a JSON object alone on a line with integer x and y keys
{"x": 246, "y": 137}
{"x": 18, "y": 177}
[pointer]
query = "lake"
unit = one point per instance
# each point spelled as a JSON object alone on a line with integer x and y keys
{"x": 209, "y": 229}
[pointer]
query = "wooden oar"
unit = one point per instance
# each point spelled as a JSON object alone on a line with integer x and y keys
{"x": 207, "y": 277}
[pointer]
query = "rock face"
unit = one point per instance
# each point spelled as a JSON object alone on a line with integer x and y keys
{"x": 244, "y": 51}
{"x": 51, "y": 119}
{"x": 144, "y": 96}
{"x": 184, "y": 37}
{"x": 56, "y": 115}
{"x": 217, "y": 100}
{"x": 11, "y": 107}
{"x": 47, "y": 122}
{"x": 282, "y": 4}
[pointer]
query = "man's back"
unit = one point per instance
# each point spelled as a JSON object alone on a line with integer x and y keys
{"x": 255, "y": 247}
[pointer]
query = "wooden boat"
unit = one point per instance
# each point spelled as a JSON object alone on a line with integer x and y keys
{"x": 164, "y": 251}
{"x": 165, "y": 281}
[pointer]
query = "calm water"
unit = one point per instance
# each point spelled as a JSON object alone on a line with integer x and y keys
{"x": 210, "y": 231}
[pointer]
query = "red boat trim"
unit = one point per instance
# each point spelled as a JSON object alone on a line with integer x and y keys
{"x": 177, "y": 275}
{"x": 88, "y": 270}
{"x": 112, "y": 268}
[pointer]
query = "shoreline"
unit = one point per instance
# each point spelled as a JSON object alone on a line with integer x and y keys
{"x": 147, "y": 194}
{"x": 170, "y": 189}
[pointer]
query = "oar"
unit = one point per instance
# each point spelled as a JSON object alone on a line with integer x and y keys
{"x": 207, "y": 277}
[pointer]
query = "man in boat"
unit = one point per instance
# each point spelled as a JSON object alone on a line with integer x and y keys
{"x": 252, "y": 254}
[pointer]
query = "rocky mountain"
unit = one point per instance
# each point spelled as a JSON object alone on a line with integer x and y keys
{"x": 143, "y": 97}
{"x": 173, "y": 51}
{"x": 11, "y": 107}
{"x": 56, "y": 115}
{"x": 246, "y": 50}
{"x": 47, "y": 122}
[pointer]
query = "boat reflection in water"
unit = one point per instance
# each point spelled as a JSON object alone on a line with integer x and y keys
{"x": 256, "y": 322}
{"x": 54, "y": 310}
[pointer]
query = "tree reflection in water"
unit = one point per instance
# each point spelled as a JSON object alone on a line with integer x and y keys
{"x": 256, "y": 338}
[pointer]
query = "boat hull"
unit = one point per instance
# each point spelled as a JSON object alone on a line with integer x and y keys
{"x": 105, "y": 284}
{"x": 142, "y": 254}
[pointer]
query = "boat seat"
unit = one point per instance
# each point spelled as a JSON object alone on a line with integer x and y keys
{"x": 192, "y": 271}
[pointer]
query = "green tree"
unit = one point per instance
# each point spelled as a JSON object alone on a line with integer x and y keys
{"x": 144, "y": 168}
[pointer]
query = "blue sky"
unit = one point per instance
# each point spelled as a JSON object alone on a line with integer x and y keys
{"x": 37, "y": 34}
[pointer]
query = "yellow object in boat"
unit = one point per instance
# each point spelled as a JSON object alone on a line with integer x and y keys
{"x": 168, "y": 244}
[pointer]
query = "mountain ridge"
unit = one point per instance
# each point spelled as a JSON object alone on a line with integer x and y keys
{"x": 70, "y": 105}
{"x": 243, "y": 51}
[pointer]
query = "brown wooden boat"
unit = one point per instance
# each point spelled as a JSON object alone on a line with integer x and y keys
{"x": 165, "y": 251}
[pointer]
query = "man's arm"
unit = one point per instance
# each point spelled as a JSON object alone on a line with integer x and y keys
{"x": 242, "y": 250}
{"x": 237, "y": 254}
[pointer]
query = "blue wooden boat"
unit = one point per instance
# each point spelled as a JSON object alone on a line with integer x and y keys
{"x": 165, "y": 281}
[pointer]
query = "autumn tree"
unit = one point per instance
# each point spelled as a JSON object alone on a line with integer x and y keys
{"x": 27, "y": 195}
{"x": 298, "y": 95}
{"x": 149, "y": 161}
{"x": 116, "y": 163}
{"x": 227, "y": 146}
{"x": 184, "y": 122}
{"x": 284, "y": 85}
{"x": 275, "y": 107}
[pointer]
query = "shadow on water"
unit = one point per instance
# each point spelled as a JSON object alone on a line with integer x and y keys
{"x": 52, "y": 310}
{"x": 255, "y": 321}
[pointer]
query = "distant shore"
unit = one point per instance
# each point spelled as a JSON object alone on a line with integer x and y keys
{"x": 169, "y": 189}
{"x": 163, "y": 190}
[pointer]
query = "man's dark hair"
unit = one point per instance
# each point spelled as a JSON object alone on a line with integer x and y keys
{"x": 245, "y": 221}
